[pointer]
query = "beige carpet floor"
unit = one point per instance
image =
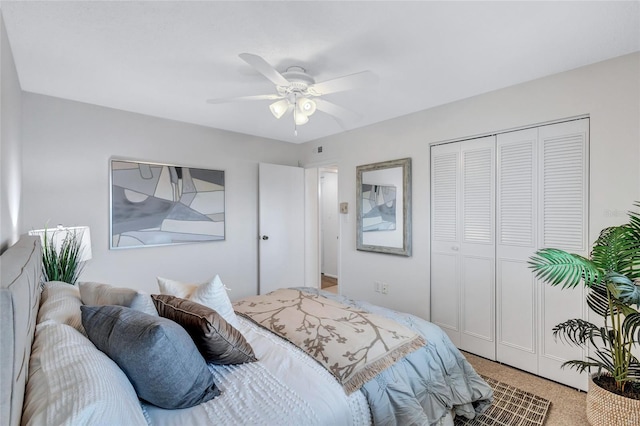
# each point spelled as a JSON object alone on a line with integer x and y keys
{"x": 568, "y": 405}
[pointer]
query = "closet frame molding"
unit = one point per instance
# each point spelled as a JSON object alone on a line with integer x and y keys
{"x": 510, "y": 130}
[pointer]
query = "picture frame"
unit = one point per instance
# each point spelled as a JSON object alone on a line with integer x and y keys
{"x": 383, "y": 206}
{"x": 154, "y": 204}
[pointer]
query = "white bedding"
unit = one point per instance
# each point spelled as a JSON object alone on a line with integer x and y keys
{"x": 254, "y": 393}
{"x": 72, "y": 383}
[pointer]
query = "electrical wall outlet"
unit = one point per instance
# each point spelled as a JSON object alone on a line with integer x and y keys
{"x": 385, "y": 288}
{"x": 377, "y": 286}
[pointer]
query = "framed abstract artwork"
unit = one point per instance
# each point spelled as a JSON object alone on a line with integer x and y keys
{"x": 158, "y": 204}
{"x": 383, "y": 205}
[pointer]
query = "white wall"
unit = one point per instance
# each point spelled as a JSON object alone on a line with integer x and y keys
{"x": 609, "y": 92}
{"x": 10, "y": 144}
{"x": 67, "y": 146}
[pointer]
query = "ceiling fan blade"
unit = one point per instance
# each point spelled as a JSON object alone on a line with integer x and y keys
{"x": 338, "y": 112}
{"x": 244, "y": 98}
{"x": 340, "y": 84}
{"x": 264, "y": 68}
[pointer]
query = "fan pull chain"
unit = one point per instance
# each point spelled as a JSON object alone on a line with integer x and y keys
{"x": 295, "y": 112}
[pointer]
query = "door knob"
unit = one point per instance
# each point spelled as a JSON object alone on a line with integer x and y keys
{"x": 455, "y": 248}
{"x": 265, "y": 237}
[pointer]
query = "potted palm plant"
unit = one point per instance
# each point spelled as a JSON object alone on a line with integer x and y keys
{"x": 612, "y": 275}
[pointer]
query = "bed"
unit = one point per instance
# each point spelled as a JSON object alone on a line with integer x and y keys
{"x": 52, "y": 372}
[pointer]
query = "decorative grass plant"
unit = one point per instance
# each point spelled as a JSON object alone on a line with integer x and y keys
{"x": 62, "y": 264}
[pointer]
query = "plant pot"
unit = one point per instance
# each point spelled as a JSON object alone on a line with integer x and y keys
{"x": 606, "y": 408}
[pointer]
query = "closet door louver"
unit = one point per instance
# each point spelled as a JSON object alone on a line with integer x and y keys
{"x": 477, "y": 196}
{"x": 563, "y": 200}
{"x": 445, "y": 179}
{"x": 515, "y": 186}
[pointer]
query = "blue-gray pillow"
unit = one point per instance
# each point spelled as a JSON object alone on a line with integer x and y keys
{"x": 157, "y": 355}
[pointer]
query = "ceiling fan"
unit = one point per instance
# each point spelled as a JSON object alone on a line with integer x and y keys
{"x": 298, "y": 93}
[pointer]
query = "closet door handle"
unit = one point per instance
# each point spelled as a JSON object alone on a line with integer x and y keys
{"x": 455, "y": 248}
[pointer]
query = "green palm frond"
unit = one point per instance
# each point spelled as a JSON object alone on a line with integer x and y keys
{"x": 634, "y": 370}
{"x": 582, "y": 366}
{"x": 631, "y": 327}
{"x": 598, "y": 300}
{"x": 618, "y": 249}
{"x": 634, "y": 231}
{"x": 634, "y": 219}
{"x": 578, "y": 332}
{"x": 558, "y": 267}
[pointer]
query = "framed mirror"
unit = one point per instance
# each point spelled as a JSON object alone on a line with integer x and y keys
{"x": 383, "y": 205}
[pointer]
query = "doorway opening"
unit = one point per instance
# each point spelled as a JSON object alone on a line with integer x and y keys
{"x": 329, "y": 227}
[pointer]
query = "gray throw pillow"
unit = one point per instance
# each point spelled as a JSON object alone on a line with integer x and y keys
{"x": 218, "y": 341}
{"x": 157, "y": 355}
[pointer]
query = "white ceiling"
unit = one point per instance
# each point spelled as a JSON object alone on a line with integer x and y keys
{"x": 166, "y": 58}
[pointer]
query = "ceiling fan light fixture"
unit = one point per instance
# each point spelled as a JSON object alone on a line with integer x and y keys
{"x": 297, "y": 92}
{"x": 306, "y": 106}
{"x": 300, "y": 119}
{"x": 279, "y": 108}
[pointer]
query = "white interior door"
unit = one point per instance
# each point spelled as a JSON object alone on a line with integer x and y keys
{"x": 281, "y": 227}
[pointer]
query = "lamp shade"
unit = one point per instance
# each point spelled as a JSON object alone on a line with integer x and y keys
{"x": 57, "y": 236}
{"x": 306, "y": 106}
{"x": 300, "y": 119}
{"x": 279, "y": 108}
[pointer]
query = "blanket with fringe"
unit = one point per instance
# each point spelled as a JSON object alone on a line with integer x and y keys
{"x": 352, "y": 344}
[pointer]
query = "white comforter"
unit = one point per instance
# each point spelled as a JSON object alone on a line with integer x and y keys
{"x": 285, "y": 387}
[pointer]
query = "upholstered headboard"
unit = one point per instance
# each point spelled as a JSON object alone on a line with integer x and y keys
{"x": 20, "y": 270}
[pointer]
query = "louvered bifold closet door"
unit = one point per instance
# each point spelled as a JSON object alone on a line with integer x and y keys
{"x": 516, "y": 288}
{"x": 542, "y": 181}
{"x": 463, "y": 243}
{"x": 563, "y": 223}
{"x": 445, "y": 262}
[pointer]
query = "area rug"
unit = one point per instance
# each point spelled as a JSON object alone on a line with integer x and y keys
{"x": 511, "y": 407}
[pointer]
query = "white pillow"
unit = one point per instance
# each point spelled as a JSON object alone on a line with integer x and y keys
{"x": 211, "y": 294}
{"x": 72, "y": 383}
{"x": 60, "y": 302}
{"x": 105, "y": 294}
